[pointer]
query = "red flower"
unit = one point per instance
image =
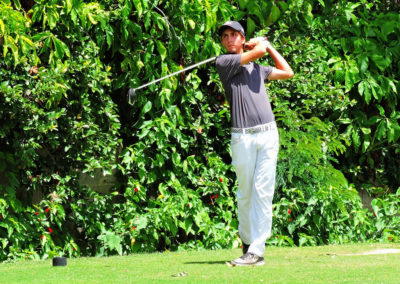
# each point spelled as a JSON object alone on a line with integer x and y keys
{"x": 277, "y": 237}
{"x": 1, "y": 217}
{"x": 73, "y": 248}
{"x": 36, "y": 213}
{"x": 133, "y": 228}
{"x": 221, "y": 180}
{"x": 47, "y": 210}
{"x": 214, "y": 196}
{"x": 42, "y": 237}
{"x": 38, "y": 219}
{"x": 390, "y": 238}
{"x": 136, "y": 189}
{"x": 291, "y": 219}
{"x": 289, "y": 211}
{"x": 374, "y": 214}
{"x": 50, "y": 230}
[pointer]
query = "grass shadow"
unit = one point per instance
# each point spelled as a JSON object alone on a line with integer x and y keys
{"x": 207, "y": 262}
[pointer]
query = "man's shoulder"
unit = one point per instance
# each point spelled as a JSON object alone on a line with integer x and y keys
{"x": 228, "y": 58}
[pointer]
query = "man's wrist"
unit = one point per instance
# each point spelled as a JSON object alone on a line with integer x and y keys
{"x": 265, "y": 42}
{"x": 268, "y": 45}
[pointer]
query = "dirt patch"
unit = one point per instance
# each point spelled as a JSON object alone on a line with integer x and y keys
{"x": 376, "y": 251}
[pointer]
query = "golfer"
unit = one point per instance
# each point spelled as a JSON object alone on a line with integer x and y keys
{"x": 255, "y": 139}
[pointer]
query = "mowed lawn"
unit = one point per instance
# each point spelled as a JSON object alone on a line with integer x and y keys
{"x": 323, "y": 264}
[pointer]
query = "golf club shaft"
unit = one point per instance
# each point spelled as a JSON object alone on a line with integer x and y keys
{"x": 175, "y": 73}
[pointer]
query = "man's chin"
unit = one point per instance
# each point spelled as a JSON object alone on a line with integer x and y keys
{"x": 232, "y": 51}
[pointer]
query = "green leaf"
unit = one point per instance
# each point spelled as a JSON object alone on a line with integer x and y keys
{"x": 147, "y": 107}
{"x": 17, "y": 4}
{"x": 28, "y": 41}
{"x": 390, "y": 130}
{"x": 139, "y": 8}
{"x": 58, "y": 44}
{"x": 388, "y": 27}
{"x": 161, "y": 50}
{"x": 364, "y": 89}
{"x": 283, "y": 5}
{"x": 349, "y": 80}
{"x": 52, "y": 18}
{"x": 366, "y": 130}
{"x": 69, "y": 5}
{"x": 41, "y": 36}
{"x": 141, "y": 222}
{"x": 363, "y": 62}
{"x": 381, "y": 62}
{"x": 351, "y": 75}
{"x": 334, "y": 60}
{"x": 374, "y": 120}
{"x": 2, "y": 27}
{"x": 91, "y": 18}
{"x": 308, "y": 16}
{"x": 276, "y": 13}
{"x": 361, "y": 87}
{"x": 251, "y": 26}
{"x": 381, "y": 130}
{"x": 356, "y": 138}
{"x": 243, "y": 4}
{"x": 192, "y": 24}
{"x": 176, "y": 158}
{"x": 381, "y": 110}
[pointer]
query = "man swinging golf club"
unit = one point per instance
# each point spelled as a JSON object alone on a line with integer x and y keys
{"x": 255, "y": 139}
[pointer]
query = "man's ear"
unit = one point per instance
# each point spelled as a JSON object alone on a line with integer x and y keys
{"x": 244, "y": 39}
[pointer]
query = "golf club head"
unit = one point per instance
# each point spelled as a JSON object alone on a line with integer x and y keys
{"x": 131, "y": 96}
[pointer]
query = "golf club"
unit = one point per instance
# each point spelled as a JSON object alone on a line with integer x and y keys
{"x": 132, "y": 91}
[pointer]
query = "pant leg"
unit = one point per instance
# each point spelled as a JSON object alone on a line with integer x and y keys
{"x": 244, "y": 161}
{"x": 263, "y": 190}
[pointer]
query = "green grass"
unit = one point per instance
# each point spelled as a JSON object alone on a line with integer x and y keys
{"x": 324, "y": 264}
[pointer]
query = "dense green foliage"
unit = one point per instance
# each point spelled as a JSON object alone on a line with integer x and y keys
{"x": 66, "y": 66}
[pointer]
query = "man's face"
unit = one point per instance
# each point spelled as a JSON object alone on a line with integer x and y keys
{"x": 232, "y": 41}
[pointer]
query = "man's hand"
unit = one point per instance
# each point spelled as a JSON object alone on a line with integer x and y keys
{"x": 255, "y": 49}
{"x": 255, "y": 41}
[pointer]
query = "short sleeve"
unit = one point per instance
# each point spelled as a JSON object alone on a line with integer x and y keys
{"x": 228, "y": 65}
{"x": 266, "y": 70}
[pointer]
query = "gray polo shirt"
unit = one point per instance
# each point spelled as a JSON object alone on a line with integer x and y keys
{"x": 245, "y": 91}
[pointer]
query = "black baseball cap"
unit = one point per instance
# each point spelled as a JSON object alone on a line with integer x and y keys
{"x": 233, "y": 25}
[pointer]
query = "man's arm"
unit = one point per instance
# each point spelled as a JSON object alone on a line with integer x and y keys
{"x": 258, "y": 48}
{"x": 282, "y": 69}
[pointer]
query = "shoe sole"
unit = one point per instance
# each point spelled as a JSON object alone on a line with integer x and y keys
{"x": 258, "y": 263}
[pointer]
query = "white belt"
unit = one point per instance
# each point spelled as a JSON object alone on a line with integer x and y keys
{"x": 255, "y": 129}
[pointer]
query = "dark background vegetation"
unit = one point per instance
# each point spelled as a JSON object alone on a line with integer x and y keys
{"x": 66, "y": 66}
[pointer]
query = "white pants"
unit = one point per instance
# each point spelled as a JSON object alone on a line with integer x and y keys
{"x": 254, "y": 157}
